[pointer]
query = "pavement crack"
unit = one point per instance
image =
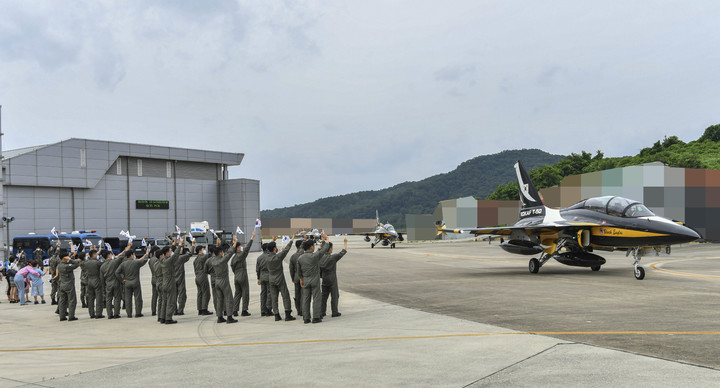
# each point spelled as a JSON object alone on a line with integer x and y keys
{"x": 517, "y": 363}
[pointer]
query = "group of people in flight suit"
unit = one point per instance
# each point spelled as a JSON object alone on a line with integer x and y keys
{"x": 109, "y": 281}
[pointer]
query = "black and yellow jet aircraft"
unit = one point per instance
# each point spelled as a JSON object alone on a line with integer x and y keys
{"x": 570, "y": 235}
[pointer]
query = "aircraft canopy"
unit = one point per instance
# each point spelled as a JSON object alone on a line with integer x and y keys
{"x": 614, "y": 206}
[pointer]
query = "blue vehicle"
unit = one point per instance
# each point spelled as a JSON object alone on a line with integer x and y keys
{"x": 79, "y": 238}
{"x": 29, "y": 242}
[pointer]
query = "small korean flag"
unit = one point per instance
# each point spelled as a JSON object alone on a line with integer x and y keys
{"x": 239, "y": 231}
{"x": 73, "y": 247}
{"x": 54, "y": 232}
{"x": 286, "y": 239}
{"x": 144, "y": 243}
{"x": 213, "y": 232}
{"x": 177, "y": 229}
{"x": 192, "y": 239}
{"x": 88, "y": 243}
{"x": 258, "y": 224}
{"x": 108, "y": 247}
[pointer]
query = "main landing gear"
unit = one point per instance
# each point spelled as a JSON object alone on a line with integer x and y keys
{"x": 637, "y": 255}
{"x": 535, "y": 264}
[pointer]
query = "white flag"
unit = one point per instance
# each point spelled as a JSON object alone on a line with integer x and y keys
{"x": 192, "y": 239}
{"x": 54, "y": 232}
{"x": 144, "y": 243}
{"x": 258, "y": 224}
{"x": 213, "y": 232}
{"x": 108, "y": 247}
{"x": 239, "y": 231}
{"x": 177, "y": 229}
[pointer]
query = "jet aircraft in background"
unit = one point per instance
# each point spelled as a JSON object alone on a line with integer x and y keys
{"x": 570, "y": 235}
{"x": 311, "y": 235}
{"x": 384, "y": 234}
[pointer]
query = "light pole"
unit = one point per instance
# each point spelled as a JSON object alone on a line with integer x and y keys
{"x": 6, "y": 223}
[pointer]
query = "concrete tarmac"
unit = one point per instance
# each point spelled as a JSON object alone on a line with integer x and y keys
{"x": 456, "y": 314}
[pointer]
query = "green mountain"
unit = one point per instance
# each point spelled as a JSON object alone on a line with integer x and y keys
{"x": 701, "y": 153}
{"x": 476, "y": 177}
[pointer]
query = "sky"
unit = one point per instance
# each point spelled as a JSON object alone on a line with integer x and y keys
{"x": 332, "y": 97}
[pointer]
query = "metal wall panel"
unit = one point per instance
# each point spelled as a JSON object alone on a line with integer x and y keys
{"x": 273, "y": 223}
{"x": 674, "y": 177}
{"x": 654, "y": 175}
{"x": 633, "y": 176}
{"x": 694, "y": 177}
{"x": 190, "y": 170}
{"x": 654, "y": 197}
{"x": 695, "y": 197}
{"x": 591, "y": 179}
{"x": 613, "y": 177}
{"x": 300, "y": 223}
{"x": 342, "y": 223}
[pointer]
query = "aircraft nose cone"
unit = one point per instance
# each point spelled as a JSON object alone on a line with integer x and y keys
{"x": 685, "y": 234}
{"x": 691, "y": 234}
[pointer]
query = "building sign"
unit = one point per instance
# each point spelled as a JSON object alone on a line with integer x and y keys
{"x": 145, "y": 204}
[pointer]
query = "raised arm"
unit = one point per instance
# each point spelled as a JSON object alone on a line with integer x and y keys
{"x": 246, "y": 249}
{"x": 285, "y": 251}
{"x": 144, "y": 260}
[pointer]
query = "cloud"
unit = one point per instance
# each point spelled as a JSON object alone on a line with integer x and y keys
{"x": 29, "y": 35}
{"x": 414, "y": 87}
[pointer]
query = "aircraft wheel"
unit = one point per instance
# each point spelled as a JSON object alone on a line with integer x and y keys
{"x": 639, "y": 273}
{"x": 392, "y": 245}
{"x": 534, "y": 265}
{"x": 667, "y": 249}
{"x": 372, "y": 245}
{"x": 595, "y": 268}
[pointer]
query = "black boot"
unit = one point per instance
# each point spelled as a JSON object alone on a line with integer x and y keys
{"x": 208, "y": 312}
{"x": 54, "y": 302}
{"x": 230, "y": 319}
{"x": 278, "y": 317}
{"x": 317, "y": 320}
{"x": 235, "y": 313}
{"x": 245, "y": 313}
{"x": 289, "y": 317}
{"x": 221, "y": 320}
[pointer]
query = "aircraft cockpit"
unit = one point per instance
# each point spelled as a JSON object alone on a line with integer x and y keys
{"x": 614, "y": 206}
{"x": 389, "y": 227}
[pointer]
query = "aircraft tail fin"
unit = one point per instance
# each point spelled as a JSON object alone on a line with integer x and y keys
{"x": 529, "y": 196}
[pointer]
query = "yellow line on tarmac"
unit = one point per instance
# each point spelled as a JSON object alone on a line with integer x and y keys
{"x": 656, "y": 266}
{"x": 547, "y": 333}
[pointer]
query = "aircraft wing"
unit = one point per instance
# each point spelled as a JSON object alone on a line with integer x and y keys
{"x": 506, "y": 230}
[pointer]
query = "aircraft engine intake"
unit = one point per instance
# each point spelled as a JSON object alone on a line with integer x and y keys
{"x": 385, "y": 243}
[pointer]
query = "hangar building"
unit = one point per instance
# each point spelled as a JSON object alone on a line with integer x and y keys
{"x": 81, "y": 184}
